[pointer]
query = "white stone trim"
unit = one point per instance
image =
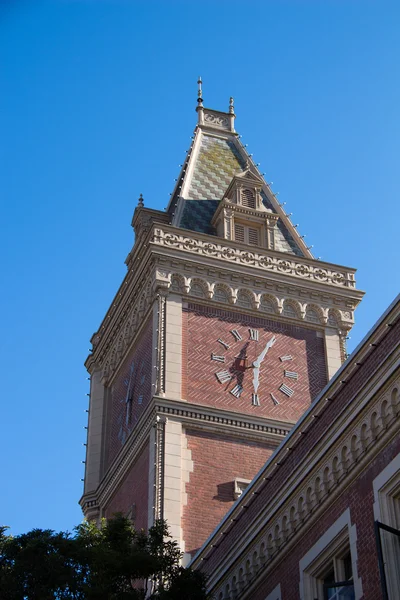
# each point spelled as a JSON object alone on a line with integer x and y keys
{"x": 386, "y": 488}
{"x": 173, "y": 347}
{"x": 333, "y": 355}
{"x": 307, "y": 580}
{"x": 152, "y": 478}
{"x": 172, "y": 478}
{"x": 276, "y": 593}
{"x": 381, "y": 488}
{"x": 239, "y": 485}
{"x": 178, "y": 465}
{"x": 95, "y": 433}
{"x": 154, "y": 347}
{"x": 236, "y": 253}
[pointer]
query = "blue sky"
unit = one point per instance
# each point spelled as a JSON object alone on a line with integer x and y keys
{"x": 97, "y": 106}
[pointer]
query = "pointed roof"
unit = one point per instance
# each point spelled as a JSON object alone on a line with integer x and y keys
{"x": 214, "y": 158}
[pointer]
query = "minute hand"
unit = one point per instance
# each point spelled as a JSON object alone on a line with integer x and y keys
{"x": 258, "y": 361}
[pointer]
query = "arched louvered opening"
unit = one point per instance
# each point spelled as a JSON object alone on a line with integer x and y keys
{"x": 289, "y": 310}
{"x": 244, "y": 299}
{"x": 266, "y": 305}
{"x": 196, "y": 289}
{"x": 221, "y": 295}
{"x": 312, "y": 316}
{"x": 248, "y": 198}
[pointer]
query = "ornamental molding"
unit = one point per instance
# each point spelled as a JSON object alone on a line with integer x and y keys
{"x": 235, "y": 291}
{"x": 198, "y": 417}
{"x": 126, "y": 301}
{"x": 234, "y": 253}
{"x": 216, "y": 119}
{"x": 276, "y": 301}
{"x": 220, "y": 421}
{"x": 152, "y": 271}
{"x": 361, "y": 437}
{"x": 125, "y": 332}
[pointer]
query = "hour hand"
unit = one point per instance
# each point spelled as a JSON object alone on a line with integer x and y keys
{"x": 256, "y": 373}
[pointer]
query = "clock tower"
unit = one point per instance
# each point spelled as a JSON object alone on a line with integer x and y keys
{"x": 222, "y": 332}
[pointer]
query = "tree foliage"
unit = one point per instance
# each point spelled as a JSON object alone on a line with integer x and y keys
{"x": 110, "y": 562}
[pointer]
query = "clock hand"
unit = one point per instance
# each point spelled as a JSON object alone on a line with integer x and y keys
{"x": 256, "y": 373}
{"x": 258, "y": 361}
{"x": 128, "y": 399}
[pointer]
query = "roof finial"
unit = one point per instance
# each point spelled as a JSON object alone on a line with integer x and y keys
{"x": 140, "y": 201}
{"x": 199, "y": 93}
{"x": 231, "y": 107}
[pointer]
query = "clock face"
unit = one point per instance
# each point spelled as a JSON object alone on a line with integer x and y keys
{"x": 130, "y": 393}
{"x": 133, "y": 398}
{"x": 244, "y": 359}
{"x": 251, "y": 364}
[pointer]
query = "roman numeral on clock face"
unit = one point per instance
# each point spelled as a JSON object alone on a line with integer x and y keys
{"x": 287, "y": 357}
{"x": 217, "y": 358}
{"x": 236, "y": 391}
{"x": 274, "y": 400}
{"x": 255, "y": 400}
{"x": 223, "y": 376}
{"x": 291, "y": 374}
{"x": 236, "y": 335}
{"x": 253, "y": 334}
{"x": 286, "y": 390}
{"x": 225, "y": 345}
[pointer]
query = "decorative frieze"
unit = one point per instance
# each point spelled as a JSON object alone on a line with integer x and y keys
{"x": 220, "y": 292}
{"x": 267, "y": 262}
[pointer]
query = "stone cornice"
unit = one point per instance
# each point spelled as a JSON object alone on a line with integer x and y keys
{"x": 271, "y": 261}
{"x": 223, "y": 421}
{"x": 198, "y": 417}
{"x": 366, "y": 425}
{"x": 125, "y": 298}
{"x": 248, "y": 213}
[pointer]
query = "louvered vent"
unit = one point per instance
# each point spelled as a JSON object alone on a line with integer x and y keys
{"x": 248, "y": 198}
{"x": 239, "y": 233}
{"x": 253, "y": 236}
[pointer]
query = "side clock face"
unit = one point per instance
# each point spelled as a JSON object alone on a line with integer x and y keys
{"x": 133, "y": 398}
{"x": 244, "y": 360}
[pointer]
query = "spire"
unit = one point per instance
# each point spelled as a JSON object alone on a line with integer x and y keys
{"x": 140, "y": 201}
{"x": 231, "y": 106}
{"x": 199, "y": 93}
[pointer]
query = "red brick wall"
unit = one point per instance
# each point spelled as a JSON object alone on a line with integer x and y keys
{"x": 203, "y": 326}
{"x": 134, "y": 490}
{"x": 359, "y": 498}
{"x": 140, "y": 356}
{"x": 217, "y": 461}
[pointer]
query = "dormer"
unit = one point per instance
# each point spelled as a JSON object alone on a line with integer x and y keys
{"x": 241, "y": 215}
{"x": 245, "y": 190}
